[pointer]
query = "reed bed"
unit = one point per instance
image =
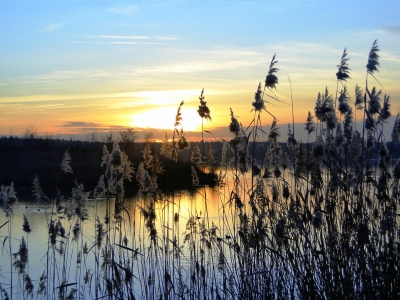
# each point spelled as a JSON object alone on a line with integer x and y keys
{"x": 309, "y": 221}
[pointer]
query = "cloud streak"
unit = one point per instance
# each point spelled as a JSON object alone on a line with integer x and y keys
{"x": 55, "y": 26}
{"x": 136, "y": 37}
{"x": 85, "y": 127}
{"x": 311, "y": 66}
{"x": 124, "y": 10}
{"x": 395, "y": 29}
{"x": 64, "y": 75}
{"x": 116, "y": 43}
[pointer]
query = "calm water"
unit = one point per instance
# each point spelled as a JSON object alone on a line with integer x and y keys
{"x": 204, "y": 202}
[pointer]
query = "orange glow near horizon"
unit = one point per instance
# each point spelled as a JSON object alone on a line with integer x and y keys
{"x": 81, "y": 114}
{"x": 164, "y": 118}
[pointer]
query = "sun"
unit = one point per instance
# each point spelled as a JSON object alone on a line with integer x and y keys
{"x": 164, "y": 118}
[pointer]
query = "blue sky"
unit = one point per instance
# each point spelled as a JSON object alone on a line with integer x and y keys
{"x": 78, "y": 66}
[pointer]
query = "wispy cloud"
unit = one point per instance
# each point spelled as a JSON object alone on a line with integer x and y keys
{"x": 395, "y": 29}
{"x": 193, "y": 67}
{"x": 311, "y": 66}
{"x": 181, "y": 62}
{"x": 55, "y": 26}
{"x": 135, "y": 37}
{"x": 116, "y": 43}
{"x": 81, "y": 124}
{"x": 125, "y": 10}
{"x": 126, "y": 39}
{"x": 44, "y": 107}
{"x": 390, "y": 56}
{"x": 66, "y": 75}
{"x": 218, "y": 59}
{"x": 169, "y": 38}
{"x": 50, "y": 98}
{"x": 84, "y": 127}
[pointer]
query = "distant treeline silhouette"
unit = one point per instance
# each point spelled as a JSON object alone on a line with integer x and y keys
{"x": 21, "y": 159}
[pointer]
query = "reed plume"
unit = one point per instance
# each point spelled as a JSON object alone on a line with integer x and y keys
{"x": 65, "y": 163}
{"x": 343, "y": 68}
{"x": 373, "y": 58}
{"x": 271, "y": 79}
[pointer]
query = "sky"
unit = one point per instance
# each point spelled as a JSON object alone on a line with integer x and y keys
{"x": 77, "y": 67}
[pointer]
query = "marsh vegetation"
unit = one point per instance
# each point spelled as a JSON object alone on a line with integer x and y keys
{"x": 306, "y": 221}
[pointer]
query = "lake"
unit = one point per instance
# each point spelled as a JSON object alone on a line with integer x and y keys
{"x": 180, "y": 218}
